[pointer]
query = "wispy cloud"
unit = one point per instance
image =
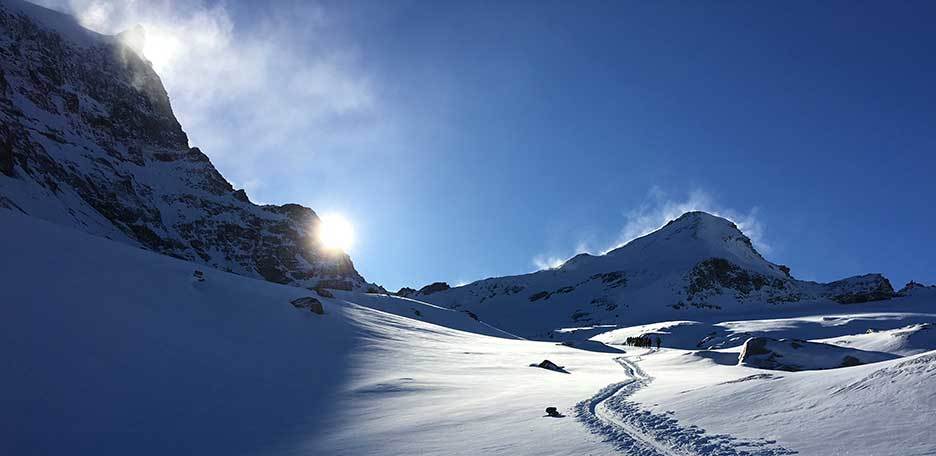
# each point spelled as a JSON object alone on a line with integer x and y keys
{"x": 547, "y": 262}
{"x": 658, "y": 208}
{"x": 248, "y": 96}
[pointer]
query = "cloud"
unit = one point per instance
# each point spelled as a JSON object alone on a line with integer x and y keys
{"x": 659, "y": 208}
{"x": 547, "y": 262}
{"x": 282, "y": 90}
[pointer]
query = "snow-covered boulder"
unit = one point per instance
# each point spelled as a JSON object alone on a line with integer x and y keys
{"x": 798, "y": 355}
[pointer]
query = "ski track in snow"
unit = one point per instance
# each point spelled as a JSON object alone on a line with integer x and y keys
{"x": 643, "y": 433}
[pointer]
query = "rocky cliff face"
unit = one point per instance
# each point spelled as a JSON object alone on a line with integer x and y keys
{"x": 696, "y": 265}
{"x": 88, "y": 139}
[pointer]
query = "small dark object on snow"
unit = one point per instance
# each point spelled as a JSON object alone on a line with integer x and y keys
{"x": 308, "y": 302}
{"x": 199, "y": 276}
{"x": 553, "y": 412}
{"x": 547, "y": 364}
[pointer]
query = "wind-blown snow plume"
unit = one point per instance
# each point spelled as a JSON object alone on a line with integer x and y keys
{"x": 656, "y": 210}
{"x": 659, "y": 208}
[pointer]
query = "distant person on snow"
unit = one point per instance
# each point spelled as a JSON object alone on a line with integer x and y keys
{"x": 658, "y": 341}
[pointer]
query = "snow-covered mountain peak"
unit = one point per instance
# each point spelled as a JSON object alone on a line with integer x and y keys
{"x": 696, "y": 263}
{"x": 681, "y": 243}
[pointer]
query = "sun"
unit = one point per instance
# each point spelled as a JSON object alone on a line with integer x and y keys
{"x": 161, "y": 47}
{"x": 335, "y": 233}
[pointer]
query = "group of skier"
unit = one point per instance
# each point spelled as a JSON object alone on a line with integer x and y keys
{"x": 644, "y": 341}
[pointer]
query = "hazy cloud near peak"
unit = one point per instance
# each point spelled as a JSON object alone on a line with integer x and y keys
{"x": 658, "y": 208}
{"x": 284, "y": 90}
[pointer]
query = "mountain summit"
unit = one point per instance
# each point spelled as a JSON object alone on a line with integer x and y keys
{"x": 695, "y": 265}
{"x": 88, "y": 140}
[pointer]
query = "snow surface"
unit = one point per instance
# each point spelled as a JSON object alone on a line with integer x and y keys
{"x": 111, "y": 349}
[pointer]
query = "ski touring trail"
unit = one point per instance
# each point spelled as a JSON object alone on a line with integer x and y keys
{"x": 634, "y": 431}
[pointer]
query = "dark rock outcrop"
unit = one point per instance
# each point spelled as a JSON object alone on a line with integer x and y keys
{"x": 434, "y": 288}
{"x": 314, "y": 305}
{"x": 406, "y": 292}
{"x": 854, "y": 290}
{"x": 797, "y": 355}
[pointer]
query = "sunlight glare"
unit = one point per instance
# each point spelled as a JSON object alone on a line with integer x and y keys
{"x": 335, "y": 232}
{"x": 160, "y": 48}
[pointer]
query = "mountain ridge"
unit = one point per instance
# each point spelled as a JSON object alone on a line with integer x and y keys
{"x": 693, "y": 266}
{"x": 89, "y": 140}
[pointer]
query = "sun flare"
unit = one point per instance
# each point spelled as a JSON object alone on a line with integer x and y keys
{"x": 161, "y": 47}
{"x": 336, "y": 233}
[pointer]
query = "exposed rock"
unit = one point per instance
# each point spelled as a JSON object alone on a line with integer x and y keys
{"x": 241, "y": 195}
{"x": 405, "y": 292}
{"x": 434, "y": 288}
{"x": 554, "y": 412}
{"x": 313, "y": 304}
{"x": 853, "y": 290}
{"x": 6, "y": 155}
{"x": 796, "y": 355}
{"x": 720, "y": 273}
{"x": 549, "y": 365}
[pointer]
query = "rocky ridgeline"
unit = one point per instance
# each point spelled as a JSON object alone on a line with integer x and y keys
{"x": 88, "y": 139}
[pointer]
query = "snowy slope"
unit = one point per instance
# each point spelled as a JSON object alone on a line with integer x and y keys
{"x": 111, "y": 349}
{"x": 88, "y": 140}
{"x": 697, "y": 266}
{"x": 873, "y": 409}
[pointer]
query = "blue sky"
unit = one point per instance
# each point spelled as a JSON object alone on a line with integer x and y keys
{"x": 469, "y": 140}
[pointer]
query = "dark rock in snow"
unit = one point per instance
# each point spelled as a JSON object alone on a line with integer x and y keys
{"x": 434, "y": 288}
{"x": 797, "y": 355}
{"x": 549, "y": 365}
{"x": 405, "y": 292}
{"x": 854, "y": 290}
{"x": 553, "y": 412}
{"x": 308, "y": 302}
